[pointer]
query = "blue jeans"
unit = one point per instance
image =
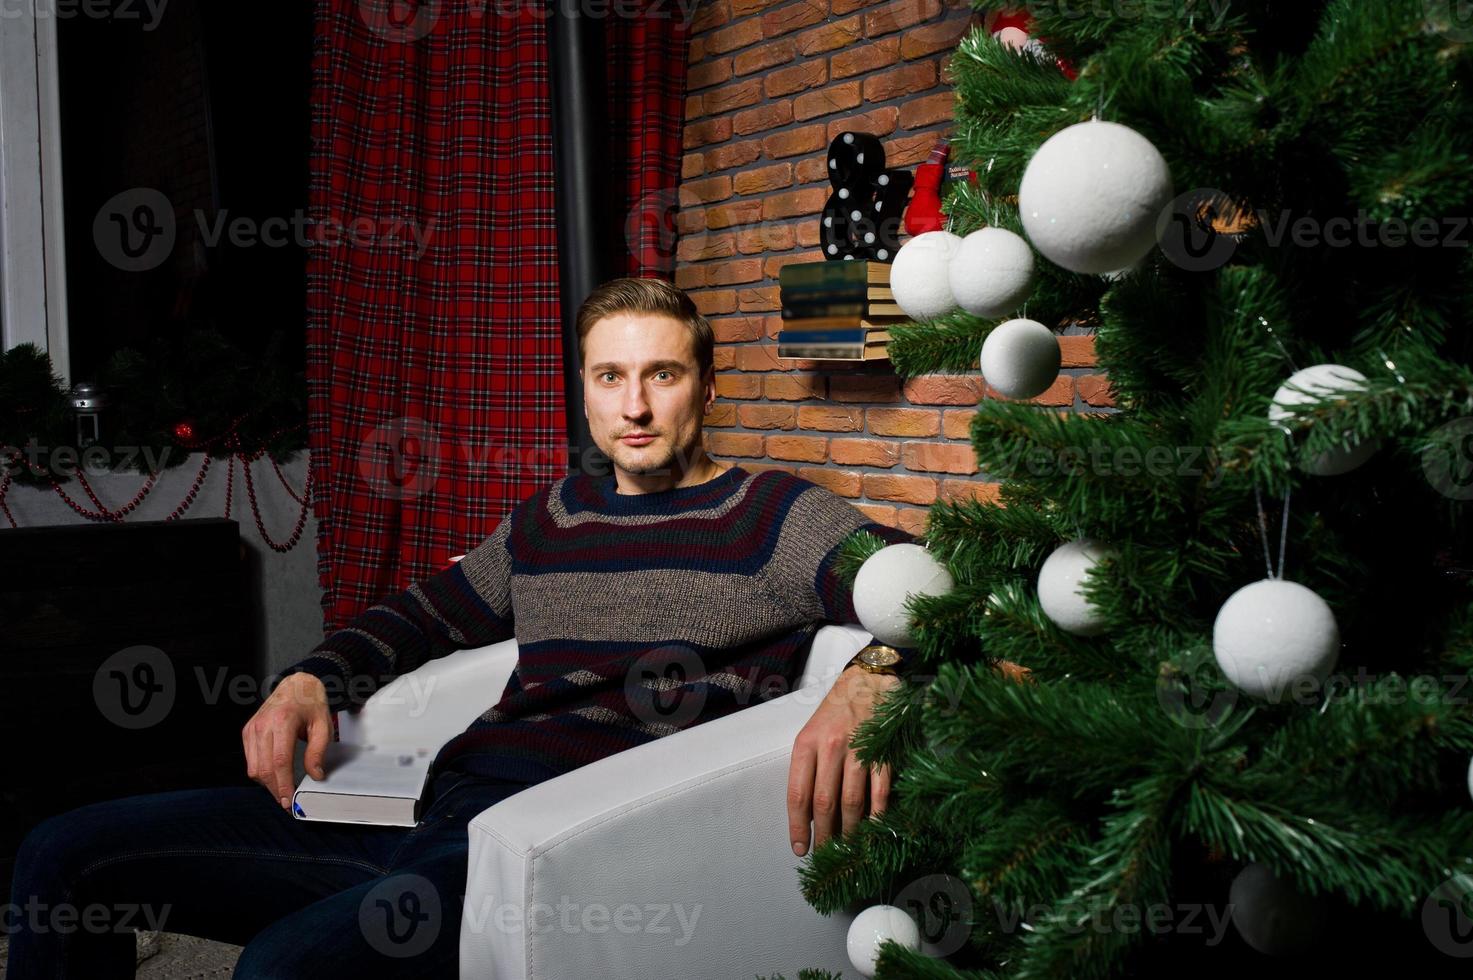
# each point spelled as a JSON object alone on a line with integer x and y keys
{"x": 305, "y": 899}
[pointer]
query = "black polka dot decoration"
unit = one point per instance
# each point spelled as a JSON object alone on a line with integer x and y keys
{"x": 862, "y": 217}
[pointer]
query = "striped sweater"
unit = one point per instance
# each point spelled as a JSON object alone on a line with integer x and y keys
{"x": 635, "y": 615}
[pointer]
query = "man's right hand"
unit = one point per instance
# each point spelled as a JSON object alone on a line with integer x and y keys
{"x": 296, "y": 708}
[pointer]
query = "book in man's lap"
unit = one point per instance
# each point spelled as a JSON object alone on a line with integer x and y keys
{"x": 368, "y": 784}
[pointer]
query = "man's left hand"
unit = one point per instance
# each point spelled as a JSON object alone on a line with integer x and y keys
{"x": 827, "y": 784}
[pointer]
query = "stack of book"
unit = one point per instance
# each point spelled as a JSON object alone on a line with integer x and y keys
{"x": 837, "y": 310}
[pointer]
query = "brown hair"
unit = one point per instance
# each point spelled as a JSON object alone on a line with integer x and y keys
{"x": 645, "y": 295}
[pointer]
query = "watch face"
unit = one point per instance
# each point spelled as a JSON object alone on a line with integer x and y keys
{"x": 880, "y": 656}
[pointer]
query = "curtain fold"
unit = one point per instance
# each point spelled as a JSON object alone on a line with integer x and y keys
{"x": 434, "y": 348}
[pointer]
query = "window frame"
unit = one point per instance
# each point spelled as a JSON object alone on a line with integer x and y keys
{"x": 33, "y": 303}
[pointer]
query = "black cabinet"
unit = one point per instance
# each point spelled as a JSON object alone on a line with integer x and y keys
{"x": 125, "y": 665}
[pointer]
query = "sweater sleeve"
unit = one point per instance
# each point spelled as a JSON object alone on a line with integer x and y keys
{"x": 804, "y": 567}
{"x": 467, "y": 605}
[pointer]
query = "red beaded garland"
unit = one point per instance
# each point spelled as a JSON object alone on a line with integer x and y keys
{"x": 184, "y": 431}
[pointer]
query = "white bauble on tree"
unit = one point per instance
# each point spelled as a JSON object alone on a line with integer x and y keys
{"x": 1091, "y": 195}
{"x": 1060, "y": 581}
{"x": 992, "y": 272}
{"x": 1272, "y": 635}
{"x": 920, "y": 276}
{"x": 1271, "y": 914}
{"x": 1309, "y": 385}
{"x": 1021, "y": 358}
{"x": 886, "y": 580}
{"x": 875, "y": 925}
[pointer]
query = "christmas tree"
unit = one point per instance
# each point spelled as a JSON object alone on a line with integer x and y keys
{"x": 1207, "y": 656}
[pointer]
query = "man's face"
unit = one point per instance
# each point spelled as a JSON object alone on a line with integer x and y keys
{"x": 640, "y": 376}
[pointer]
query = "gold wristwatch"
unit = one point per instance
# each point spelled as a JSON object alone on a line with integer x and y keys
{"x": 877, "y": 659}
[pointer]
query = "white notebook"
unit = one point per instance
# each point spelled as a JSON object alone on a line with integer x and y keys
{"x": 366, "y": 784}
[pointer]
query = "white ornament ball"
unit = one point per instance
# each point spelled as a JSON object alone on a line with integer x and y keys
{"x": 920, "y": 276}
{"x": 1470, "y": 777}
{"x": 1271, "y": 635}
{"x": 875, "y": 925}
{"x": 886, "y": 580}
{"x": 1091, "y": 195}
{"x": 992, "y": 272}
{"x": 1021, "y": 358}
{"x": 1271, "y": 914}
{"x": 1309, "y": 385}
{"x": 1060, "y": 581}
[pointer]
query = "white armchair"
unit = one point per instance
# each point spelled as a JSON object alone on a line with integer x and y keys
{"x": 670, "y": 859}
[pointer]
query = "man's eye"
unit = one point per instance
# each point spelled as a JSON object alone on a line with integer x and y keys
{"x": 664, "y": 372}
{"x": 607, "y": 374}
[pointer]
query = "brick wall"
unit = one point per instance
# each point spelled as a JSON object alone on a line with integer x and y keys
{"x": 771, "y": 83}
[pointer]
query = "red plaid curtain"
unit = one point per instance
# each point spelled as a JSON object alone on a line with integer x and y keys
{"x": 434, "y": 350}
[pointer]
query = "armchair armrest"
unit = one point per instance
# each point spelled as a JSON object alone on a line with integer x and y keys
{"x": 433, "y": 704}
{"x": 670, "y": 859}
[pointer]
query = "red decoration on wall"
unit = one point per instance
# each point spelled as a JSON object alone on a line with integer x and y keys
{"x": 924, "y": 213}
{"x": 1015, "y": 29}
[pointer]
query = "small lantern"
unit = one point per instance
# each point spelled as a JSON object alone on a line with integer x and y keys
{"x": 88, "y": 401}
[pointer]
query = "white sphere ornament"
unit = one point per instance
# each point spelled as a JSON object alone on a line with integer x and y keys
{"x": 1273, "y": 635}
{"x": 1309, "y": 385}
{"x": 1091, "y": 195}
{"x": 876, "y": 925}
{"x": 992, "y": 272}
{"x": 1271, "y": 914}
{"x": 1021, "y": 358}
{"x": 920, "y": 276}
{"x": 1060, "y": 584}
{"x": 1470, "y": 777}
{"x": 887, "y": 580}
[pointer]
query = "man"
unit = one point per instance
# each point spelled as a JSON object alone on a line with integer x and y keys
{"x": 675, "y": 564}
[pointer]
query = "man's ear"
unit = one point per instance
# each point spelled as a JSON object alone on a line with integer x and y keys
{"x": 710, "y": 383}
